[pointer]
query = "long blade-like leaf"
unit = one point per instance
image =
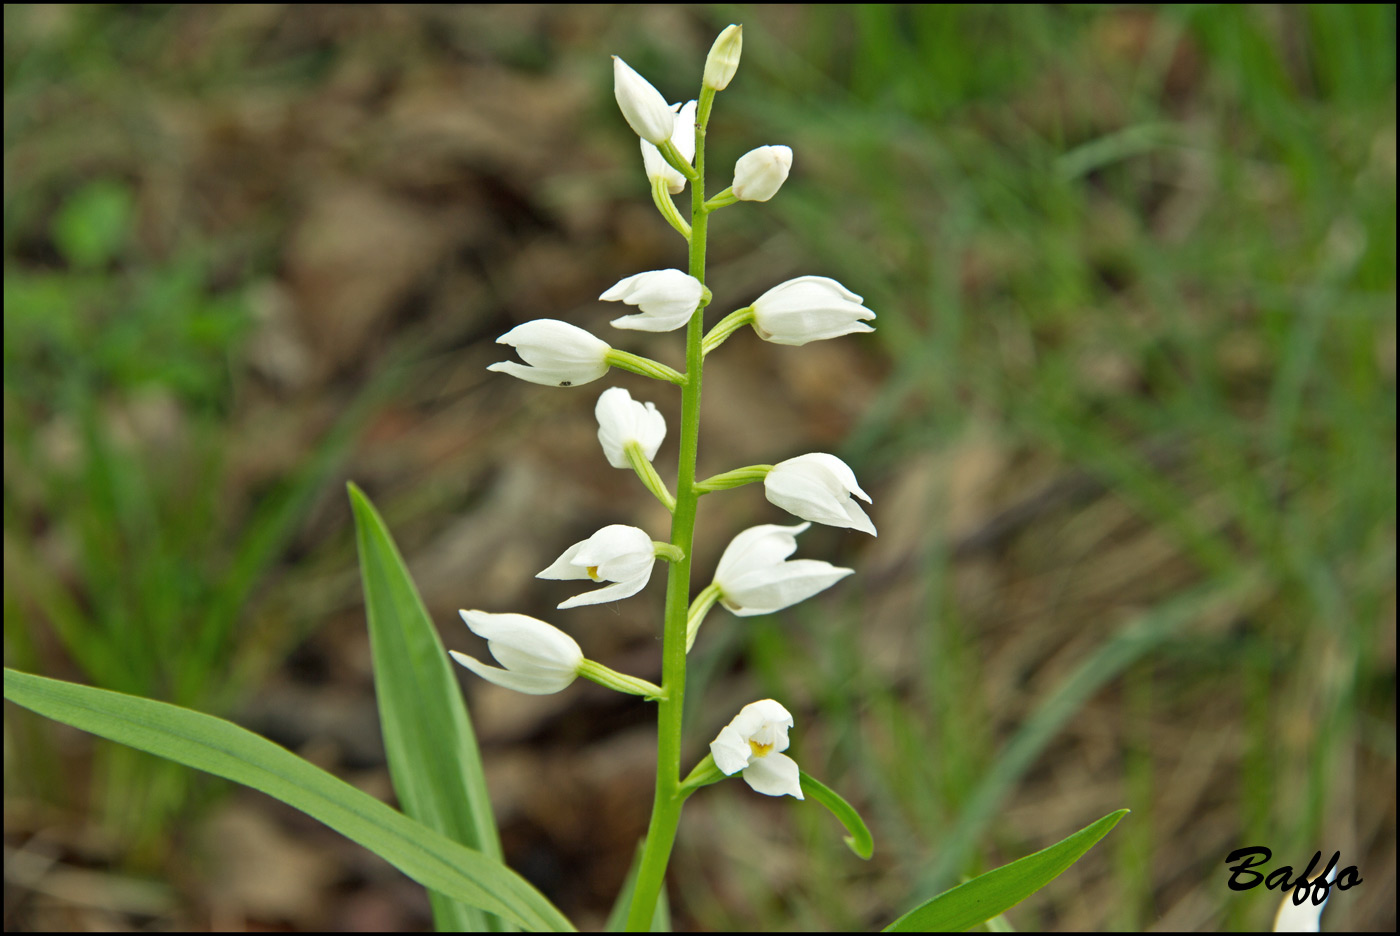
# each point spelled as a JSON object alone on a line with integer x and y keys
{"x": 428, "y": 737}
{"x": 990, "y": 894}
{"x": 859, "y": 840}
{"x": 226, "y": 750}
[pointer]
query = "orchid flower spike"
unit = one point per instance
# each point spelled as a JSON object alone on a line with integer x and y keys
{"x": 667, "y": 298}
{"x": 539, "y": 658}
{"x": 623, "y": 421}
{"x": 753, "y": 577}
{"x": 759, "y": 173}
{"x": 754, "y": 743}
{"x": 616, "y": 553}
{"x": 818, "y": 487}
{"x": 684, "y": 140}
{"x": 556, "y": 354}
{"x": 645, "y": 109}
{"x": 809, "y": 308}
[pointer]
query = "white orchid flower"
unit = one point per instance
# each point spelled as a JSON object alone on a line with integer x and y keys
{"x": 760, "y": 172}
{"x": 623, "y": 421}
{"x": 645, "y": 109}
{"x": 539, "y": 658}
{"x": 667, "y": 298}
{"x": 723, "y": 60}
{"x": 753, "y": 577}
{"x": 683, "y": 138}
{"x": 556, "y": 353}
{"x": 809, "y": 308}
{"x": 818, "y": 487}
{"x": 621, "y": 554}
{"x": 754, "y": 743}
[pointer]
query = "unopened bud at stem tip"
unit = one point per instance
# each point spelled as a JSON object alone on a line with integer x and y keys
{"x": 723, "y": 60}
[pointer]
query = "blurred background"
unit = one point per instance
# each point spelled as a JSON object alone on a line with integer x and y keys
{"x": 1128, "y": 420}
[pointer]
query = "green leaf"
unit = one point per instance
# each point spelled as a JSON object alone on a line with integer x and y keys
{"x": 226, "y": 750}
{"x": 93, "y": 224}
{"x": 617, "y": 917}
{"x": 428, "y": 737}
{"x": 859, "y": 840}
{"x": 986, "y": 896}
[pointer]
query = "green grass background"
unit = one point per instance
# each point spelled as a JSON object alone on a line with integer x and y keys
{"x": 1129, "y": 413}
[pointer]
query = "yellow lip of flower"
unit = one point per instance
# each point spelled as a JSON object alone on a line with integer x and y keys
{"x": 593, "y": 573}
{"x": 759, "y": 750}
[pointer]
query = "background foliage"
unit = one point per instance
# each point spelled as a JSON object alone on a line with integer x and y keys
{"x": 1128, "y": 420}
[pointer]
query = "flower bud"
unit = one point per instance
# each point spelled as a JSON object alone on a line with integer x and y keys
{"x": 809, "y": 308}
{"x": 667, "y": 298}
{"x": 818, "y": 487}
{"x": 645, "y": 109}
{"x": 723, "y": 59}
{"x": 759, "y": 173}
{"x": 539, "y": 658}
{"x": 623, "y": 421}
{"x": 684, "y": 141}
{"x": 559, "y": 354}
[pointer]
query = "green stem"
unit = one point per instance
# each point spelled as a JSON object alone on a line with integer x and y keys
{"x": 666, "y": 807}
{"x": 739, "y": 477}
{"x": 722, "y": 200}
{"x": 647, "y": 472}
{"x": 626, "y": 360}
{"x": 725, "y": 327}
{"x": 662, "y": 196}
{"x": 698, "y": 609}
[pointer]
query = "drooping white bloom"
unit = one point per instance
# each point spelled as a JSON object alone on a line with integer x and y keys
{"x": 1305, "y": 917}
{"x": 818, "y": 487}
{"x": 809, "y": 308}
{"x": 667, "y": 298}
{"x": 753, "y": 577}
{"x": 645, "y": 109}
{"x": 622, "y": 420}
{"x": 723, "y": 60}
{"x": 759, "y": 173}
{"x": 684, "y": 140}
{"x": 538, "y": 657}
{"x": 754, "y": 743}
{"x": 616, "y": 553}
{"x": 557, "y": 354}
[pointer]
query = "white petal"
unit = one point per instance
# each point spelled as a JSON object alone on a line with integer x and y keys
{"x": 527, "y": 635}
{"x": 731, "y": 751}
{"x": 760, "y": 172}
{"x": 764, "y": 591}
{"x": 1304, "y": 918}
{"x": 621, "y": 420}
{"x": 529, "y": 683}
{"x": 564, "y": 567}
{"x": 623, "y": 589}
{"x": 774, "y": 775}
{"x": 641, "y": 104}
{"x": 817, "y": 487}
{"x": 613, "y": 542}
{"x": 757, "y": 547}
{"x": 667, "y": 298}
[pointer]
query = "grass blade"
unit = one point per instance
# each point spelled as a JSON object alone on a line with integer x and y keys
{"x": 226, "y": 750}
{"x": 990, "y": 894}
{"x": 433, "y": 756}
